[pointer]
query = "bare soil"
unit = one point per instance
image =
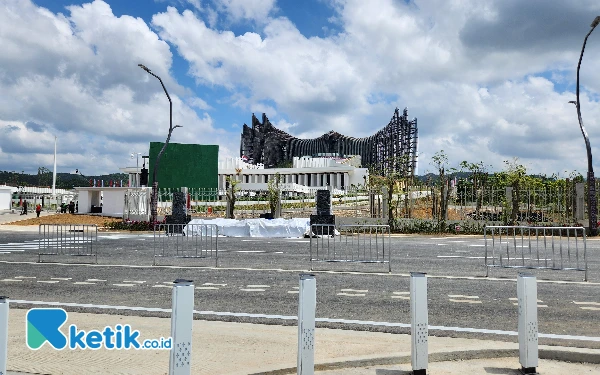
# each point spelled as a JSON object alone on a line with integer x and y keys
{"x": 65, "y": 219}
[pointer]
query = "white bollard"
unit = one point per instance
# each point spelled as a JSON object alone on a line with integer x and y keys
{"x": 419, "y": 320}
{"x": 307, "y": 303}
{"x": 528, "y": 322}
{"x": 182, "y": 317}
{"x": 3, "y": 334}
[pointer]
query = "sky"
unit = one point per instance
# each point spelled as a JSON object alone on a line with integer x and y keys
{"x": 487, "y": 81}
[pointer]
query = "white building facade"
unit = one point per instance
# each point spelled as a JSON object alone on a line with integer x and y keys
{"x": 307, "y": 174}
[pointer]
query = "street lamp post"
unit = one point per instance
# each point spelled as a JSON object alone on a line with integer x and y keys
{"x": 154, "y": 198}
{"x": 137, "y": 168}
{"x": 591, "y": 198}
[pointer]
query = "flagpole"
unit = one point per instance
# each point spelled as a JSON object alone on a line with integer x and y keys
{"x": 54, "y": 175}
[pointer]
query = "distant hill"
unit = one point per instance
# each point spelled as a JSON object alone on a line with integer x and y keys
{"x": 63, "y": 180}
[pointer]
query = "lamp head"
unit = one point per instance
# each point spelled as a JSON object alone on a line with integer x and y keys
{"x": 573, "y": 102}
{"x": 596, "y": 21}
{"x": 144, "y": 67}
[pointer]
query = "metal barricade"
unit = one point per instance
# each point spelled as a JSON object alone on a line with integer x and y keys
{"x": 198, "y": 241}
{"x": 68, "y": 240}
{"x": 350, "y": 243}
{"x": 554, "y": 248}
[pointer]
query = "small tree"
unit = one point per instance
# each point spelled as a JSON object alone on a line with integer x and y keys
{"x": 440, "y": 162}
{"x": 274, "y": 194}
{"x": 479, "y": 177}
{"x": 230, "y": 194}
{"x": 516, "y": 175}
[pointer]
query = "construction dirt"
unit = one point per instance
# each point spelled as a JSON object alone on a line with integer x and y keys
{"x": 65, "y": 219}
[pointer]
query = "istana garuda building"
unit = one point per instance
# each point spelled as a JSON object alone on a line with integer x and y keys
{"x": 393, "y": 148}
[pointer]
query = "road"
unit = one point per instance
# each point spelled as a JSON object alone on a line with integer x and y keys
{"x": 260, "y": 276}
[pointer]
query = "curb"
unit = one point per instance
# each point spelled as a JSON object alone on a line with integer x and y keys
{"x": 549, "y": 354}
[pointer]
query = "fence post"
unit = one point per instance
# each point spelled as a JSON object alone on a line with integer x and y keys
{"x": 307, "y": 303}
{"x": 3, "y": 333}
{"x": 580, "y": 201}
{"x": 419, "y": 330}
{"x": 384, "y": 196}
{"x": 182, "y": 317}
{"x": 528, "y": 322}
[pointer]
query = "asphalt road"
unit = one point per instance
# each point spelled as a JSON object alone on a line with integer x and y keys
{"x": 260, "y": 276}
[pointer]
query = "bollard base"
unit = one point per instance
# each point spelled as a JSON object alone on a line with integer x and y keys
{"x": 528, "y": 370}
{"x": 419, "y": 372}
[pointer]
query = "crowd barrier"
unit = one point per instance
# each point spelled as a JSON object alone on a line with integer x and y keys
{"x": 555, "y": 248}
{"x": 78, "y": 240}
{"x": 192, "y": 241}
{"x": 350, "y": 243}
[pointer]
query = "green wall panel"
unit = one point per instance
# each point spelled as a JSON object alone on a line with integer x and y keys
{"x": 183, "y": 165}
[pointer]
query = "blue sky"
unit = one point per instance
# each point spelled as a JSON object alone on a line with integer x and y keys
{"x": 487, "y": 81}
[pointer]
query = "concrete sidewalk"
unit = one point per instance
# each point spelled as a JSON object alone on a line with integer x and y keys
{"x": 241, "y": 348}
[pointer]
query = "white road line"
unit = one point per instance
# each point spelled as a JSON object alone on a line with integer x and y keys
{"x": 401, "y": 297}
{"x": 207, "y": 288}
{"x": 351, "y": 294}
{"x": 48, "y": 281}
{"x": 354, "y": 290}
{"x": 515, "y": 299}
{"x": 586, "y": 303}
{"x": 401, "y": 292}
{"x": 96, "y": 280}
{"x": 9, "y": 280}
{"x": 450, "y": 256}
{"x": 457, "y": 241}
{"x": 161, "y": 286}
{"x": 25, "y": 277}
{"x": 124, "y": 284}
{"x": 4, "y": 252}
{"x": 461, "y": 296}
{"x": 61, "y": 278}
{"x": 477, "y": 245}
{"x": 442, "y": 244}
{"x": 251, "y": 251}
{"x": 258, "y": 286}
{"x": 590, "y": 308}
{"x": 83, "y": 283}
{"x": 327, "y": 320}
{"x": 252, "y": 290}
{"x": 463, "y": 300}
{"x": 293, "y": 291}
{"x": 133, "y": 281}
{"x": 517, "y": 304}
{"x": 215, "y": 284}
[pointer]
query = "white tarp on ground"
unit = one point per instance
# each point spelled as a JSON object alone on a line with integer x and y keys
{"x": 275, "y": 228}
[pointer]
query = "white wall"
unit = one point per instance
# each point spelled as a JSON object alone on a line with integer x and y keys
{"x": 5, "y": 197}
{"x": 113, "y": 201}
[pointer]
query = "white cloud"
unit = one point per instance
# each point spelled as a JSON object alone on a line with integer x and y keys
{"x": 256, "y": 10}
{"x": 76, "y": 76}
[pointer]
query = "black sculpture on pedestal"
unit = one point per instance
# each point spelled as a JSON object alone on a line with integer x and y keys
{"x": 324, "y": 215}
{"x": 178, "y": 215}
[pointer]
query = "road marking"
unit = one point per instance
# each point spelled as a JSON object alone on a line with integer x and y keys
{"x": 442, "y": 244}
{"x": 161, "y": 286}
{"x": 252, "y": 290}
{"x": 351, "y": 294}
{"x": 517, "y": 304}
{"x": 83, "y": 283}
{"x": 48, "y": 281}
{"x": 463, "y": 300}
{"x": 590, "y": 308}
{"x": 207, "y": 288}
{"x": 401, "y": 292}
{"x": 251, "y": 251}
{"x": 580, "y": 303}
{"x": 461, "y": 296}
{"x": 257, "y": 286}
{"x": 61, "y": 278}
{"x": 477, "y": 245}
{"x": 9, "y": 280}
{"x": 124, "y": 284}
{"x": 293, "y": 317}
{"x": 457, "y": 241}
{"x": 354, "y": 290}
{"x": 293, "y": 291}
{"x": 4, "y": 252}
{"x": 25, "y": 277}
{"x": 401, "y": 297}
{"x": 516, "y": 299}
{"x": 133, "y": 281}
{"x": 96, "y": 280}
{"x": 450, "y": 256}
{"x": 215, "y": 284}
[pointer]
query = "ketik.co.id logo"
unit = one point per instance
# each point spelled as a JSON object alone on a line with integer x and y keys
{"x": 43, "y": 325}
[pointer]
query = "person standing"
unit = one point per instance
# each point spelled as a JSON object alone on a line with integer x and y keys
{"x": 25, "y": 207}
{"x": 38, "y": 209}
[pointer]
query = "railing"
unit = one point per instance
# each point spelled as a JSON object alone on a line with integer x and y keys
{"x": 68, "y": 240}
{"x": 190, "y": 241}
{"x": 350, "y": 244}
{"x": 553, "y": 248}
